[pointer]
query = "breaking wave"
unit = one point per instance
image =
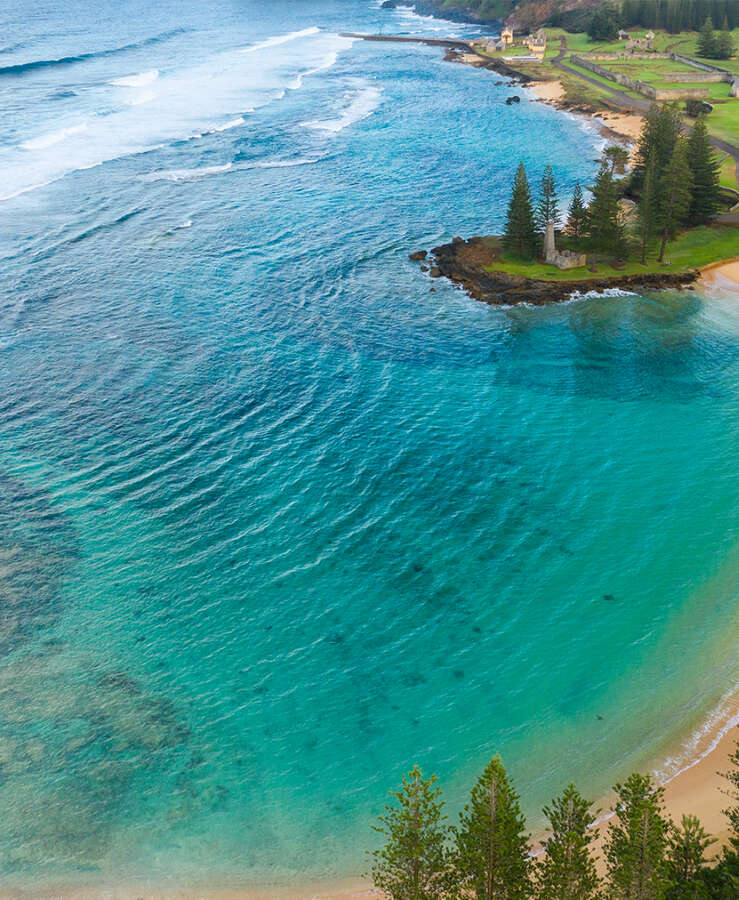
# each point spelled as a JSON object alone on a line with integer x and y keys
{"x": 281, "y": 39}
{"x": 140, "y": 80}
{"x": 361, "y": 105}
{"x": 22, "y": 68}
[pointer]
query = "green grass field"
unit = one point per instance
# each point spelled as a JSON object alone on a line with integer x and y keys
{"x": 723, "y": 122}
{"x": 727, "y": 173}
{"x": 690, "y": 250}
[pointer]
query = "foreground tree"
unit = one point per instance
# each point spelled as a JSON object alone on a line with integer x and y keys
{"x": 491, "y": 856}
{"x": 686, "y": 860}
{"x": 604, "y": 233}
{"x": 413, "y": 862}
{"x": 568, "y": 870}
{"x": 724, "y": 878}
{"x": 547, "y": 209}
{"x": 519, "y": 237}
{"x": 674, "y": 192}
{"x": 577, "y": 215}
{"x": 617, "y": 158}
{"x": 704, "y": 191}
{"x": 660, "y": 132}
{"x": 636, "y": 841}
{"x": 648, "y": 211}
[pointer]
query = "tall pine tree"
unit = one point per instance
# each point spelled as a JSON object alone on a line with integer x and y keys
{"x": 704, "y": 190}
{"x": 724, "y": 45}
{"x": 686, "y": 859}
{"x": 491, "y": 857}
{"x": 648, "y": 210}
{"x": 567, "y": 871}
{"x": 577, "y": 215}
{"x": 662, "y": 127}
{"x": 520, "y": 238}
{"x": 707, "y": 44}
{"x": 547, "y": 209}
{"x": 413, "y": 863}
{"x": 674, "y": 193}
{"x": 604, "y": 233}
{"x": 636, "y": 841}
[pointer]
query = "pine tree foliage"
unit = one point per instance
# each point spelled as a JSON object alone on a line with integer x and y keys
{"x": 678, "y": 15}
{"x": 604, "y": 231}
{"x": 674, "y": 193}
{"x": 617, "y": 158}
{"x": 687, "y": 844}
{"x": 547, "y": 208}
{"x": 577, "y": 215}
{"x": 567, "y": 871}
{"x": 662, "y": 127}
{"x": 520, "y": 238}
{"x": 491, "y": 855}
{"x": 725, "y": 48}
{"x": 707, "y": 44}
{"x": 732, "y": 776}
{"x": 413, "y": 862}
{"x": 636, "y": 841}
{"x": 704, "y": 168}
{"x": 647, "y": 211}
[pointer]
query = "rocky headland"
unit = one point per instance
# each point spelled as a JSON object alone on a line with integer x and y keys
{"x": 470, "y": 264}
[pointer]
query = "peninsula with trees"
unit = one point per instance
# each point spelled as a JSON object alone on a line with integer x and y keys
{"x": 653, "y": 226}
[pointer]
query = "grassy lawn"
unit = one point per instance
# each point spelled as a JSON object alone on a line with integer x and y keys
{"x": 692, "y": 249}
{"x": 723, "y": 122}
{"x": 727, "y": 173}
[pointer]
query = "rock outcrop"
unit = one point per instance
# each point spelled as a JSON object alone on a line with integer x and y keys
{"x": 470, "y": 264}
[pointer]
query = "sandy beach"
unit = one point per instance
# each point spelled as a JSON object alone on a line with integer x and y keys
{"x": 621, "y": 126}
{"x": 723, "y": 276}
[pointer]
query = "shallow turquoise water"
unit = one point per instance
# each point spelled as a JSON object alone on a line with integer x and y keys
{"x": 278, "y": 522}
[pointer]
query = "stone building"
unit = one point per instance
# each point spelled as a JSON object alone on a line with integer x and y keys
{"x": 562, "y": 259}
{"x": 537, "y": 42}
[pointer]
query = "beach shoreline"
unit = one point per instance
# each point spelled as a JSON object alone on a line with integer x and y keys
{"x": 692, "y": 776}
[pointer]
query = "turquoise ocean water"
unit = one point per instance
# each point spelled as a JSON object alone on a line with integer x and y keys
{"x": 277, "y": 520}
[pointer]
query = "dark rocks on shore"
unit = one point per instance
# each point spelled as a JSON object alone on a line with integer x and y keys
{"x": 466, "y": 263}
{"x": 418, "y": 255}
{"x": 514, "y": 99}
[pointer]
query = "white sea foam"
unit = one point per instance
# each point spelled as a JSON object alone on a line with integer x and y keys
{"x": 134, "y": 81}
{"x": 140, "y": 99}
{"x": 360, "y": 105}
{"x": 182, "y": 175}
{"x": 178, "y": 175}
{"x": 328, "y": 62}
{"x": 26, "y": 190}
{"x": 187, "y": 103}
{"x": 227, "y": 126}
{"x": 53, "y": 137}
{"x": 281, "y": 39}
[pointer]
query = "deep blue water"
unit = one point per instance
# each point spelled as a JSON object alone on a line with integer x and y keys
{"x": 277, "y": 520}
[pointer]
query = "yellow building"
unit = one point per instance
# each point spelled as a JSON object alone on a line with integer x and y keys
{"x": 506, "y": 36}
{"x": 537, "y": 43}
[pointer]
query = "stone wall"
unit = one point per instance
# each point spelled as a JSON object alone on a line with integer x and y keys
{"x": 648, "y": 90}
{"x": 624, "y": 55}
{"x": 696, "y": 77}
{"x": 641, "y": 87}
